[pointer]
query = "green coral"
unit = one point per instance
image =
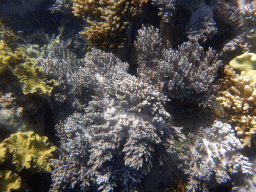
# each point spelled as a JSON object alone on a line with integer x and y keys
{"x": 29, "y": 151}
{"x": 245, "y": 64}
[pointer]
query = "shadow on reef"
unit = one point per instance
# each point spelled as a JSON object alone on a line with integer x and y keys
{"x": 38, "y": 112}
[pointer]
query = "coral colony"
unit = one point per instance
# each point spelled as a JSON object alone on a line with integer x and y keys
{"x": 127, "y": 95}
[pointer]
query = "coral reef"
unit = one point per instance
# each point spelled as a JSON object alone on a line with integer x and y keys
{"x": 29, "y": 151}
{"x": 58, "y": 63}
{"x": 238, "y": 99}
{"x": 245, "y": 64}
{"x": 124, "y": 129}
{"x": 187, "y": 73}
{"x": 213, "y": 155}
{"x": 109, "y": 21}
{"x": 23, "y": 151}
{"x": 33, "y": 79}
{"x": 18, "y": 64}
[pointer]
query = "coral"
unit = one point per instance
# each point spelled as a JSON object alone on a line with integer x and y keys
{"x": 64, "y": 6}
{"x": 29, "y": 151}
{"x": 33, "y": 79}
{"x": 9, "y": 59}
{"x": 9, "y": 181}
{"x": 245, "y": 64}
{"x": 24, "y": 68}
{"x": 213, "y": 154}
{"x": 187, "y": 73}
{"x": 60, "y": 64}
{"x": 124, "y": 128}
{"x": 11, "y": 116}
{"x": 238, "y": 99}
{"x": 108, "y": 20}
{"x": 241, "y": 17}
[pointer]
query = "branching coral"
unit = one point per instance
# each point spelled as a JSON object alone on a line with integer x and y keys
{"x": 124, "y": 127}
{"x": 60, "y": 64}
{"x": 238, "y": 99}
{"x": 108, "y": 20}
{"x": 213, "y": 154}
{"x": 186, "y": 73}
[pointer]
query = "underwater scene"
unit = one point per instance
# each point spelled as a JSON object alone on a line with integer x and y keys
{"x": 127, "y": 95}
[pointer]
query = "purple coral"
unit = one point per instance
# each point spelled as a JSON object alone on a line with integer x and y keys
{"x": 124, "y": 128}
{"x": 186, "y": 73}
{"x": 213, "y": 154}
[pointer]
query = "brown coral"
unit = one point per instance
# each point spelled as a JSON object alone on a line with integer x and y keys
{"x": 239, "y": 99}
{"x": 108, "y": 20}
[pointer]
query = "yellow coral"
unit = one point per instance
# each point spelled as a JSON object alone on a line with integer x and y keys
{"x": 108, "y": 20}
{"x": 245, "y": 64}
{"x": 33, "y": 79}
{"x": 29, "y": 150}
{"x": 239, "y": 99}
{"x": 9, "y": 181}
{"x": 8, "y": 59}
{"x": 17, "y": 63}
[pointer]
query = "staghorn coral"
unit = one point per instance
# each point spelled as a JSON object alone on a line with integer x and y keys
{"x": 109, "y": 21}
{"x": 123, "y": 130}
{"x": 213, "y": 155}
{"x": 187, "y": 73}
{"x": 238, "y": 99}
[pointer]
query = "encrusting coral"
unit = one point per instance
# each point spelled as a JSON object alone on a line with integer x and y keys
{"x": 29, "y": 151}
{"x": 9, "y": 181}
{"x": 26, "y": 151}
{"x": 108, "y": 20}
{"x": 245, "y": 64}
{"x": 238, "y": 97}
{"x": 18, "y": 64}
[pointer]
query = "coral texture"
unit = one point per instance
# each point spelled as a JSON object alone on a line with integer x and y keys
{"x": 124, "y": 127}
{"x": 108, "y": 20}
{"x": 187, "y": 73}
{"x": 29, "y": 151}
{"x": 213, "y": 154}
{"x": 9, "y": 181}
{"x": 18, "y": 64}
{"x": 60, "y": 64}
{"x": 245, "y": 65}
{"x": 238, "y": 99}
